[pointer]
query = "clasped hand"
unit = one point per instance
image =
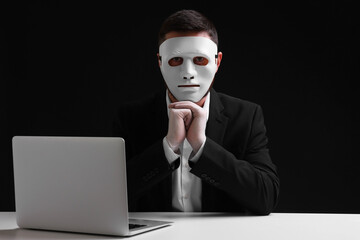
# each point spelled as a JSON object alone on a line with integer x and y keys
{"x": 186, "y": 120}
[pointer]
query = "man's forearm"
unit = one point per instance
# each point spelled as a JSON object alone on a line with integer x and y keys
{"x": 254, "y": 185}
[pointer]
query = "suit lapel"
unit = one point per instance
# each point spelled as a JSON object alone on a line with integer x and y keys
{"x": 215, "y": 130}
{"x": 217, "y": 122}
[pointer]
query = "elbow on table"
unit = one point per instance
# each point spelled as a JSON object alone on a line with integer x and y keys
{"x": 267, "y": 201}
{"x": 264, "y": 211}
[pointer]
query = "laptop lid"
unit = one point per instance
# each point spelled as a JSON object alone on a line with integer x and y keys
{"x": 75, "y": 184}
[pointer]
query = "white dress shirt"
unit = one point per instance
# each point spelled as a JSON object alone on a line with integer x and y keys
{"x": 186, "y": 187}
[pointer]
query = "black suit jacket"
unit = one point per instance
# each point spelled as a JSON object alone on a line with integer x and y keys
{"x": 235, "y": 167}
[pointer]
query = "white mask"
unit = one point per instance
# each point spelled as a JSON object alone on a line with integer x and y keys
{"x": 188, "y": 66}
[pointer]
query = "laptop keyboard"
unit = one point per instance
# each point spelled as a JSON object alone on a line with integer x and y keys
{"x": 132, "y": 226}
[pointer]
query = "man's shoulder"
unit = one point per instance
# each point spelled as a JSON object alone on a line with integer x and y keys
{"x": 144, "y": 101}
{"x": 237, "y": 110}
{"x": 232, "y": 103}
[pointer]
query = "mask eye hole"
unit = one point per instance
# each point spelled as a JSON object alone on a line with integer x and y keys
{"x": 202, "y": 61}
{"x": 175, "y": 61}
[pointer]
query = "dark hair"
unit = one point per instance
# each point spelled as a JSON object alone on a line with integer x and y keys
{"x": 187, "y": 21}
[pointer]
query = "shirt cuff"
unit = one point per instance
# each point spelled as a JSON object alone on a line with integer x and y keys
{"x": 195, "y": 158}
{"x": 169, "y": 153}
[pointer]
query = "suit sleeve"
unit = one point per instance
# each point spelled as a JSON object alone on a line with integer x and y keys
{"x": 252, "y": 181}
{"x": 146, "y": 162}
{"x": 147, "y": 169}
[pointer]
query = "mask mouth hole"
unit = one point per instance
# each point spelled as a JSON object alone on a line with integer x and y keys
{"x": 189, "y": 85}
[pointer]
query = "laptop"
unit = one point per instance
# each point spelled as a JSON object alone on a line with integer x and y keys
{"x": 74, "y": 184}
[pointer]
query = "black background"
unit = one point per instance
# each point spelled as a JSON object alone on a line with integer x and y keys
{"x": 65, "y": 67}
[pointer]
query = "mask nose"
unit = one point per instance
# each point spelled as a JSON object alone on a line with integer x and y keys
{"x": 188, "y": 70}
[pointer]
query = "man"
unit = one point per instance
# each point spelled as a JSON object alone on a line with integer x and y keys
{"x": 191, "y": 148}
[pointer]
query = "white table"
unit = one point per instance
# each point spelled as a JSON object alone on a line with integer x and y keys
{"x": 219, "y": 226}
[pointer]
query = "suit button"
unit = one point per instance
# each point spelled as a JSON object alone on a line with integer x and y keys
{"x": 203, "y": 175}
